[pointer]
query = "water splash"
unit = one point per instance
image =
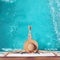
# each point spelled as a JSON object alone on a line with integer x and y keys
{"x": 9, "y": 1}
{"x": 55, "y": 12}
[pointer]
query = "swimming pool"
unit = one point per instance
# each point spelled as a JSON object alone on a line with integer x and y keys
{"x": 42, "y": 15}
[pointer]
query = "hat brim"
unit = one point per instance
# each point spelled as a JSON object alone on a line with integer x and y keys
{"x": 28, "y": 42}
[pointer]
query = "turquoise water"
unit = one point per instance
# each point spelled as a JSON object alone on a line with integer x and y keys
{"x": 16, "y": 15}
